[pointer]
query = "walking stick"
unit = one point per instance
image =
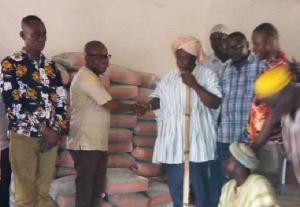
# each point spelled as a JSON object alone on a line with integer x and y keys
{"x": 186, "y": 149}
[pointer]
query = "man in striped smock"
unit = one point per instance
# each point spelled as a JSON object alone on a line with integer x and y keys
{"x": 168, "y": 101}
{"x": 245, "y": 189}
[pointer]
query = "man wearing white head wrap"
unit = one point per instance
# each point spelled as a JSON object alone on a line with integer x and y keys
{"x": 190, "y": 45}
{"x": 245, "y": 189}
{"x": 217, "y": 37}
{"x": 169, "y": 98}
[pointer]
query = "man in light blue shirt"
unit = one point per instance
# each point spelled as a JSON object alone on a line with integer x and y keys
{"x": 237, "y": 78}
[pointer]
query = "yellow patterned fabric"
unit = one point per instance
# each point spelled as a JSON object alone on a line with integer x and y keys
{"x": 272, "y": 81}
{"x": 255, "y": 192}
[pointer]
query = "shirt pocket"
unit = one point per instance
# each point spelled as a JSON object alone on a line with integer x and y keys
{"x": 250, "y": 85}
{"x": 225, "y": 87}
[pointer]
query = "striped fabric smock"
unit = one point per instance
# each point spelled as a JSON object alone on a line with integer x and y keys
{"x": 237, "y": 91}
{"x": 255, "y": 192}
{"x": 170, "y": 118}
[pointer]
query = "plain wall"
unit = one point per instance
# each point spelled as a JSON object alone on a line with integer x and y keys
{"x": 138, "y": 33}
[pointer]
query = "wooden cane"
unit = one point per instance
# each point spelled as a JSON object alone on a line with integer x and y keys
{"x": 186, "y": 149}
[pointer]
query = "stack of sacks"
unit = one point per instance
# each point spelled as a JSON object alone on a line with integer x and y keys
{"x": 158, "y": 192}
{"x": 62, "y": 191}
{"x": 124, "y": 188}
{"x": 123, "y": 87}
{"x": 144, "y": 139}
{"x": 64, "y": 163}
{"x": 131, "y": 139}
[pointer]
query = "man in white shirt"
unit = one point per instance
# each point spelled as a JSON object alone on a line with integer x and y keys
{"x": 218, "y": 35}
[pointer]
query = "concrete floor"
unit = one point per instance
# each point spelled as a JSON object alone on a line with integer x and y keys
{"x": 290, "y": 197}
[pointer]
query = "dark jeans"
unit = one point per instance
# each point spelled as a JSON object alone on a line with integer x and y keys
{"x": 217, "y": 176}
{"x": 198, "y": 179}
{"x": 222, "y": 149}
{"x": 5, "y": 178}
{"x": 215, "y": 181}
{"x": 90, "y": 182}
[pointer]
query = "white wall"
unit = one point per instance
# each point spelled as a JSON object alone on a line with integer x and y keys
{"x": 244, "y": 16}
{"x": 138, "y": 32}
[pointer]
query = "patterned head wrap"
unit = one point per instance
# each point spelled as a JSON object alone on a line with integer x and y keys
{"x": 190, "y": 45}
{"x": 244, "y": 154}
{"x": 272, "y": 81}
{"x": 221, "y": 28}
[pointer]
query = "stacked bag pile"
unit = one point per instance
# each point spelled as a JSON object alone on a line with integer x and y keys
{"x": 132, "y": 180}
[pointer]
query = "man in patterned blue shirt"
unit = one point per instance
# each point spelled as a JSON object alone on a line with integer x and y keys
{"x": 35, "y": 106}
{"x": 237, "y": 78}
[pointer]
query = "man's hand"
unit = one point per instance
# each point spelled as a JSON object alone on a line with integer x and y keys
{"x": 44, "y": 146}
{"x": 189, "y": 80}
{"x": 140, "y": 108}
{"x": 65, "y": 128}
{"x": 50, "y": 139}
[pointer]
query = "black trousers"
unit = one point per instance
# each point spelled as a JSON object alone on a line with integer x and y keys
{"x": 5, "y": 178}
{"x": 91, "y": 167}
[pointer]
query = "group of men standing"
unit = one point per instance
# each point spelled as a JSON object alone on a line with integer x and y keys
{"x": 228, "y": 86}
{"x": 242, "y": 116}
{"x": 223, "y": 107}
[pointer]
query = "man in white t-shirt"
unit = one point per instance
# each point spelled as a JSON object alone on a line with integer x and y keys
{"x": 218, "y": 35}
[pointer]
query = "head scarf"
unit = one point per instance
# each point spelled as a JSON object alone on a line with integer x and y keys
{"x": 220, "y": 28}
{"x": 272, "y": 81}
{"x": 244, "y": 154}
{"x": 190, "y": 45}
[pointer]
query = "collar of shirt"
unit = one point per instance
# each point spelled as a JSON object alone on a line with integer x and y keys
{"x": 275, "y": 61}
{"x": 250, "y": 59}
{"x": 25, "y": 53}
{"x": 214, "y": 59}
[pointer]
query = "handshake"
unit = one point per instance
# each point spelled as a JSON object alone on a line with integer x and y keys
{"x": 140, "y": 108}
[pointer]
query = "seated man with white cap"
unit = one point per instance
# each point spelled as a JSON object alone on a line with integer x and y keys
{"x": 245, "y": 189}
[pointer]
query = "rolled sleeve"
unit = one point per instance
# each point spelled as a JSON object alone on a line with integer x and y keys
{"x": 92, "y": 86}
